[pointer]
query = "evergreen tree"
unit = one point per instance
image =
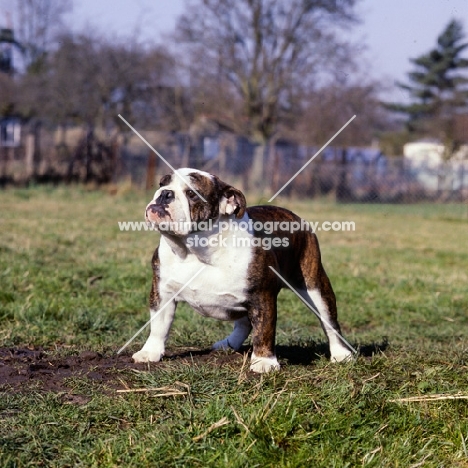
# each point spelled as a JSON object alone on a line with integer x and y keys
{"x": 438, "y": 89}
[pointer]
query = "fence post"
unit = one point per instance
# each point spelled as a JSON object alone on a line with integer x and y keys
{"x": 151, "y": 171}
{"x": 257, "y": 173}
{"x": 33, "y": 152}
{"x": 222, "y": 157}
{"x": 30, "y": 166}
{"x": 342, "y": 192}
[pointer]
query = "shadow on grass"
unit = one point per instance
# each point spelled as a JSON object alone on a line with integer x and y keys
{"x": 303, "y": 354}
{"x": 295, "y": 354}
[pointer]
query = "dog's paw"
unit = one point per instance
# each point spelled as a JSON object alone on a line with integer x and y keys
{"x": 222, "y": 344}
{"x": 341, "y": 354}
{"x": 147, "y": 356}
{"x": 152, "y": 351}
{"x": 262, "y": 365}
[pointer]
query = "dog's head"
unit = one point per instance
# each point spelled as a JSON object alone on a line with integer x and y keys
{"x": 189, "y": 197}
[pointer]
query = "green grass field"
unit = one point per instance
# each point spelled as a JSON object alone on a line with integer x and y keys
{"x": 71, "y": 281}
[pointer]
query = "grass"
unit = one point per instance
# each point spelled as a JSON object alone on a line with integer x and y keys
{"x": 71, "y": 281}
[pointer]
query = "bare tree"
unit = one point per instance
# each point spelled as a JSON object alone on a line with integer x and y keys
{"x": 89, "y": 79}
{"x": 32, "y": 26}
{"x": 7, "y": 94}
{"x": 37, "y": 23}
{"x": 263, "y": 51}
{"x": 324, "y": 109}
{"x": 251, "y": 59}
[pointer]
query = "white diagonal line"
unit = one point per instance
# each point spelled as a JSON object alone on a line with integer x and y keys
{"x": 312, "y": 158}
{"x": 162, "y": 158}
{"x": 316, "y": 312}
{"x": 161, "y": 309}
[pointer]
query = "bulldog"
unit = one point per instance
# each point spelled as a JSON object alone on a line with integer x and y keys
{"x": 215, "y": 255}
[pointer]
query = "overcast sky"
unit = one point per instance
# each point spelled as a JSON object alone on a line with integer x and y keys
{"x": 393, "y": 30}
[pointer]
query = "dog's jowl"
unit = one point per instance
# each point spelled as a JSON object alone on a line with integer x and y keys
{"x": 222, "y": 251}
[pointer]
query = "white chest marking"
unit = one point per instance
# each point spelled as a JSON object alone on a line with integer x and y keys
{"x": 219, "y": 291}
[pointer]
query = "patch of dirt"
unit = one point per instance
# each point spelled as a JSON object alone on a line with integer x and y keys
{"x": 25, "y": 368}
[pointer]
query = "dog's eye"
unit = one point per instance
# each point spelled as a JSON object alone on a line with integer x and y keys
{"x": 191, "y": 194}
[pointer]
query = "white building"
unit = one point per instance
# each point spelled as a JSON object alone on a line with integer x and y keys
{"x": 425, "y": 160}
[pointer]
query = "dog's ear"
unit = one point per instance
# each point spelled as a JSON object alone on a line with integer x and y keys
{"x": 231, "y": 201}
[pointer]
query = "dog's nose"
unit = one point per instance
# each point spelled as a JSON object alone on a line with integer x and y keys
{"x": 154, "y": 208}
{"x": 165, "y": 197}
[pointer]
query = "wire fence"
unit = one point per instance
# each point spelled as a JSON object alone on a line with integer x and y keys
{"x": 345, "y": 174}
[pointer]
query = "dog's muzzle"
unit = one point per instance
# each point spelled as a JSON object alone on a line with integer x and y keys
{"x": 156, "y": 209}
{"x": 156, "y": 212}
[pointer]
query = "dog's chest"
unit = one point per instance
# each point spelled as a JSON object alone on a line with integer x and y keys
{"x": 216, "y": 290}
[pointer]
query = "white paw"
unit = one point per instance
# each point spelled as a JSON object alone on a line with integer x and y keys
{"x": 147, "y": 356}
{"x": 223, "y": 344}
{"x": 152, "y": 351}
{"x": 341, "y": 354}
{"x": 263, "y": 364}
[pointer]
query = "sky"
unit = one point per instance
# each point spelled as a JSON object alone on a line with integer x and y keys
{"x": 393, "y": 30}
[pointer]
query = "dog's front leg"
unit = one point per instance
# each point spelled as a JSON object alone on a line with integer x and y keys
{"x": 154, "y": 348}
{"x": 162, "y": 309}
{"x": 263, "y": 318}
{"x": 161, "y": 321}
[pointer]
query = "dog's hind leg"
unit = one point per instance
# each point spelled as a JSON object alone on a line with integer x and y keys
{"x": 326, "y": 306}
{"x": 242, "y": 328}
{"x": 320, "y": 292}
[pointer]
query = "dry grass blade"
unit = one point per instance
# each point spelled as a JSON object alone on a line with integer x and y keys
{"x": 124, "y": 384}
{"x": 222, "y": 422}
{"x": 368, "y": 457}
{"x": 267, "y": 409}
{"x": 371, "y": 378}
{"x": 242, "y": 373}
{"x": 141, "y": 390}
{"x": 151, "y": 389}
{"x": 182, "y": 384}
{"x": 177, "y": 393}
{"x": 239, "y": 419}
{"x": 435, "y": 397}
{"x": 422, "y": 462}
